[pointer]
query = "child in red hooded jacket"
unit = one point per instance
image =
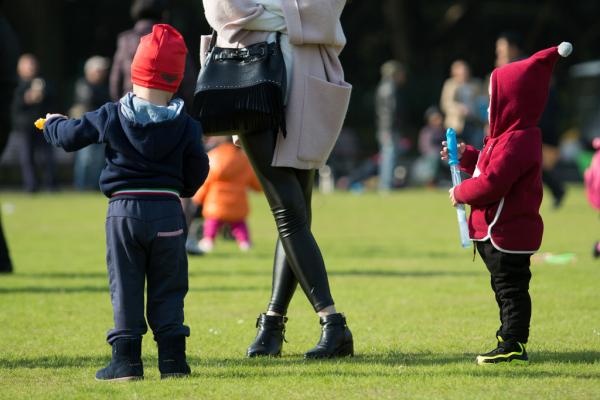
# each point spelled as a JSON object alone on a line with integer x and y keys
{"x": 505, "y": 193}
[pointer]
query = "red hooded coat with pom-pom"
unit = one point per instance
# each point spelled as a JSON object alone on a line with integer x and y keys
{"x": 505, "y": 191}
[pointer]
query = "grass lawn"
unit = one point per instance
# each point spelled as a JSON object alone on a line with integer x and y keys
{"x": 419, "y": 308}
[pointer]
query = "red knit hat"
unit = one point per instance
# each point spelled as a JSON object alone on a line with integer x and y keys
{"x": 159, "y": 61}
{"x": 520, "y": 90}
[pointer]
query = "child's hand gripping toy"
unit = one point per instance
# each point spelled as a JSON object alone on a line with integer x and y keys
{"x": 456, "y": 180}
{"x": 40, "y": 122}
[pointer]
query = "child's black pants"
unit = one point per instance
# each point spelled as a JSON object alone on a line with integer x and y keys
{"x": 510, "y": 276}
{"x": 145, "y": 241}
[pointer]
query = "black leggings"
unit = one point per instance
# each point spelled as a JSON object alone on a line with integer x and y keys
{"x": 297, "y": 255}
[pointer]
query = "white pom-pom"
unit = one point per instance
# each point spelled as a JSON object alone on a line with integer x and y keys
{"x": 565, "y": 49}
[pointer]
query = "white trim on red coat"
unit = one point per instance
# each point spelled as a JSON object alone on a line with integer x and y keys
{"x": 489, "y": 235}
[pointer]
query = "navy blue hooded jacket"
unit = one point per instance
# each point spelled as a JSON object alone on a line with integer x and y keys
{"x": 156, "y": 155}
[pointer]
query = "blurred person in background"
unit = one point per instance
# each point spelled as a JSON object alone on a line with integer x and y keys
{"x": 430, "y": 136}
{"x": 390, "y": 109}
{"x": 145, "y": 13}
{"x": 91, "y": 92}
{"x": 224, "y": 195}
{"x": 32, "y": 99}
{"x": 9, "y": 53}
{"x": 460, "y": 103}
{"x": 509, "y": 48}
{"x": 550, "y": 148}
{"x": 344, "y": 157}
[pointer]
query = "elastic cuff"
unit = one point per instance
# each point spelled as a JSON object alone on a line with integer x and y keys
{"x": 507, "y": 337}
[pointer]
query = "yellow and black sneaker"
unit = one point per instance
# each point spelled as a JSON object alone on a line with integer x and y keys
{"x": 506, "y": 352}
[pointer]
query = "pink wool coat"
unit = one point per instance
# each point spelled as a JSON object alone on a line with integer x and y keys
{"x": 318, "y": 97}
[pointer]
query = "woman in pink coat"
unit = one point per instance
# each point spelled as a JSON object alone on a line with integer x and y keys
{"x": 317, "y": 102}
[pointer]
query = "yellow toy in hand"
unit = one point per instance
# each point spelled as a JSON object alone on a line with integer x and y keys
{"x": 42, "y": 121}
{"x": 39, "y": 123}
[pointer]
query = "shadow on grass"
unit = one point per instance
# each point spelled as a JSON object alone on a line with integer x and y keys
{"x": 385, "y": 365}
{"x": 104, "y": 275}
{"x": 394, "y": 364}
{"x": 432, "y": 359}
{"x": 194, "y": 272}
{"x": 53, "y": 290}
{"x": 402, "y": 274}
{"x": 352, "y": 272}
{"x": 393, "y": 252}
{"x": 63, "y": 275}
{"x": 54, "y": 362}
{"x": 104, "y": 289}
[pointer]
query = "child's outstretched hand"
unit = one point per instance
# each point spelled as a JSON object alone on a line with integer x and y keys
{"x": 444, "y": 152}
{"x": 40, "y": 122}
{"x": 48, "y": 116}
{"x": 452, "y": 198}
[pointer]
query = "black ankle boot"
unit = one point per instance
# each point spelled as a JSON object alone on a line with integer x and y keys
{"x": 126, "y": 363}
{"x": 171, "y": 357}
{"x": 270, "y": 336}
{"x": 336, "y": 339}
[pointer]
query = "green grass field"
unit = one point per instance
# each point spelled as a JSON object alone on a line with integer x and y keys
{"x": 419, "y": 308}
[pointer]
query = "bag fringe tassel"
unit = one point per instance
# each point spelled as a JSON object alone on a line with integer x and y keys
{"x": 227, "y": 111}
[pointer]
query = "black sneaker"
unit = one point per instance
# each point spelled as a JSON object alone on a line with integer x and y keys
{"x": 506, "y": 352}
{"x": 596, "y": 252}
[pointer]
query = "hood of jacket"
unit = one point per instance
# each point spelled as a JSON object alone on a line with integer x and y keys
{"x": 519, "y": 92}
{"x": 154, "y": 131}
{"x": 227, "y": 163}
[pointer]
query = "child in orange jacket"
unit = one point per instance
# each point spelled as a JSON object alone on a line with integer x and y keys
{"x": 224, "y": 197}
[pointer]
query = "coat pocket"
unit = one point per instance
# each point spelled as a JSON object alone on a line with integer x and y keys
{"x": 324, "y": 110}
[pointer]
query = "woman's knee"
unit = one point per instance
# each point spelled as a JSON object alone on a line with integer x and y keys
{"x": 289, "y": 219}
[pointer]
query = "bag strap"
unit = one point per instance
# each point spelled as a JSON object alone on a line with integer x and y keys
{"x": 213, "y": 41}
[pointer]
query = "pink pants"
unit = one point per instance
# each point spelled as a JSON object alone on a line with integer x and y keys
{"x": 239, "y": 229}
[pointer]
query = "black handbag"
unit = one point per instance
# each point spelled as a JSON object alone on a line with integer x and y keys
{"x": 241, "y": 90}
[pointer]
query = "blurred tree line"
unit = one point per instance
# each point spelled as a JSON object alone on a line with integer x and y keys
{"x": 425, "y": 35}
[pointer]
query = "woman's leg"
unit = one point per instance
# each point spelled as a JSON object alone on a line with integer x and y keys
{"x": 284, "y": 282}
{"x": 26, "y": 159}
{"x": 285, "y": 193}
{"x": 49, "y": 162}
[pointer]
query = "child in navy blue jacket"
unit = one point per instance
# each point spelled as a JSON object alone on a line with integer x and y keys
{"x": 154, "y": 155}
